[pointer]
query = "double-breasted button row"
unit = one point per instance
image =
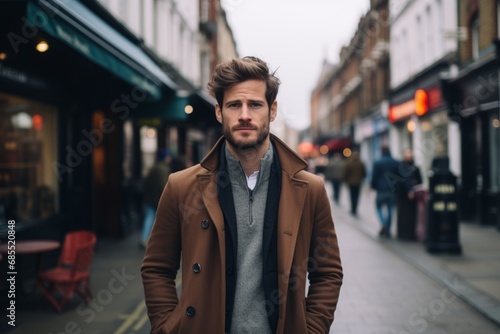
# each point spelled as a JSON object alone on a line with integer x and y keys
{"x": 196, "y": 267}
{"x": 190, "y": 311}
{"x": 205, "y": 224}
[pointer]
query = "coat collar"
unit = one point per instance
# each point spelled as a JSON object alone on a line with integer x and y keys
{"x": 290, "y": 162}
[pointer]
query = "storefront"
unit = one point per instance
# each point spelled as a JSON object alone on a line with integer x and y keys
{"x": 69, "y": 152}
{"x": 474, "y": 100}
{"x": 419, "y": 118}
{"x": 370, "y": 133}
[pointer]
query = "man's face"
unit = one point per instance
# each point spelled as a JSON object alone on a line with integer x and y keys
{"x": 408, "y": 155}
{"x": 245, "y": 114}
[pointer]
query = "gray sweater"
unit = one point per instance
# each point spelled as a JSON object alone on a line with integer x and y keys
{"x": 249, "y": 314}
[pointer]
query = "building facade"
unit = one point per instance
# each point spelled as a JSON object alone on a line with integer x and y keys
{"x": 421, "y": 54}
{"x": 473, "y": 98}
{"x": 348, "y": 105}
{"x": 70, "y": 77}
{"x": 89, "y": 92}
{"x": 188, "y": 38}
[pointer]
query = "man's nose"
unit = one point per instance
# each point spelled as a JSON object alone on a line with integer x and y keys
{"x": 244, "y": 114}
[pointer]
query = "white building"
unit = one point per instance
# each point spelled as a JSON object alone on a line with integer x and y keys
{"x": 168, "y": 27}
{"x": 423, "y": 48}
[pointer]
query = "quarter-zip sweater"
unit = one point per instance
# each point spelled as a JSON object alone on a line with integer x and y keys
{"x": 249, "y": 313}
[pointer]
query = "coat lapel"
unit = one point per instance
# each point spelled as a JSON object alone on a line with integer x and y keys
{"x": 208, "y": 188}
{"x": 293, "y": 195}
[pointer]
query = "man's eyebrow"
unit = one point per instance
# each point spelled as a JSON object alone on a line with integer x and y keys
{"x": 239, "y": 101}
{"x": 232, "y": 101}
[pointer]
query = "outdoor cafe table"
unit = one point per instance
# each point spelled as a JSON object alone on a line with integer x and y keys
{"x": 24, "y": 247}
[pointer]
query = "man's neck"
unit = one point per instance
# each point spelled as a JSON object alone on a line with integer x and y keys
{"x": 250, "y": 158}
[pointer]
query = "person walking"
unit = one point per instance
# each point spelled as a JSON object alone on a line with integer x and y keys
{"x": 385, "y": 181}
{"x": 334, "y": 174}
{"x": 406, "y": 204}
{"x": 152, "y": 188}
{"x": 252, "y": 226}
{"x": 353, "y": 174}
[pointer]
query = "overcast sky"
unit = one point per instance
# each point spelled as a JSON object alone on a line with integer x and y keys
{"x": 294, "y": 36}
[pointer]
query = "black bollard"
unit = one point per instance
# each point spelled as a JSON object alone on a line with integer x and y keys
{"x": 442, "y": 219}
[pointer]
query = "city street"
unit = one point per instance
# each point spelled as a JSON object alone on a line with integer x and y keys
{"x": 382, "y": 293}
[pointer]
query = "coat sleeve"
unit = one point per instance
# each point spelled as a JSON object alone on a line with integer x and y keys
{"x": 325, "y": 269}
{"x": 162, "y": 259}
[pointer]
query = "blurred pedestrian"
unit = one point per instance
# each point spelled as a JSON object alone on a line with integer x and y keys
{"x": 385, "y": 181}
{"x": 152, "y": 188}
{"x": 334, "y": 174}
{"x": 249, "y": 221}
{"x": 320, "y": 165}
{"x": 353, "y": 174}
{"x": 406, "y": 204}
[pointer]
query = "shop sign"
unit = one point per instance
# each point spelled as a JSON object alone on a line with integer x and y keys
{"x": 435, "y": 97}
{"x": 13, "y": 74}
{"x": 401, "y": 111}
{"x": 364, "y": 130}
{"x": 419, "y": 106}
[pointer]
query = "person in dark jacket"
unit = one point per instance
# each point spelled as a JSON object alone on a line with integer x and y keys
{"x": 152, "y": 188}
{"x": 406, "y": 204}
{"x": 354, "y": 173}
{"x": 385, "y": 181}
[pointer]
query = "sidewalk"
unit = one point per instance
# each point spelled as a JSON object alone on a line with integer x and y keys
{"x": 474, "y": 275}
{"x": 116, "y": 308}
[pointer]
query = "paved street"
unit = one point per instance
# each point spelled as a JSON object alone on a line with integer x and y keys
{"x": 382, "y": 292}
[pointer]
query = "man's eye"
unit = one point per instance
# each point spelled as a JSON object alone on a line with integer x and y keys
{"x": 255, "y": 105}
{"x": 233, "y": 105}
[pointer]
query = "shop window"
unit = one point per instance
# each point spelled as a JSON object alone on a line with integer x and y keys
{"x": 28, "y": 149}
{"x": 149, "y": 146}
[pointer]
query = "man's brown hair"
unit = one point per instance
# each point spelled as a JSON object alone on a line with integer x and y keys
{"x": 241, "y": 69}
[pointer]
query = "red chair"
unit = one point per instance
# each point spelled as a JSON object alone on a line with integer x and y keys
{"x": 72, "y": 272}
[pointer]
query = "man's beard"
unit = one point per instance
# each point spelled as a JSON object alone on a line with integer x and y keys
{"x": 242, "y": 145}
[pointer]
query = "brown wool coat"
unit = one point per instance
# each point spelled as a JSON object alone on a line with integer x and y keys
{"x": 189, "y": 218}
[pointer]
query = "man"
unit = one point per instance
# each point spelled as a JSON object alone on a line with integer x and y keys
{"x": 354, "y": 173}
{"x": 385, "y": 181}
{"x": 251, "y": 225}
{"x": 406, "y": 203}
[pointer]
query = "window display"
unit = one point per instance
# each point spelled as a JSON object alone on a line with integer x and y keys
{"x": 28, "y": 147}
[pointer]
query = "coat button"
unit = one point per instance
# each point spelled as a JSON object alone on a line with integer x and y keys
{"x": 204, "y": 224}
{"x": 190, "y": 311}
{"x": 196, "y": 267}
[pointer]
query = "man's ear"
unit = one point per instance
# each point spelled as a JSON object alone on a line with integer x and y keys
{"x": 218, "y": 113}
{"x": 274, "y": 110}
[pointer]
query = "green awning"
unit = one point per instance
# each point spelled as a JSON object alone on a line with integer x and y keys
{"x": 77, "y": 26}
{"x": 169, "y": 109}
